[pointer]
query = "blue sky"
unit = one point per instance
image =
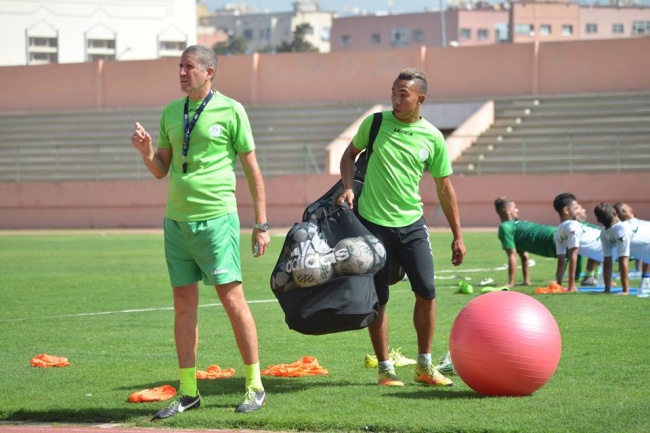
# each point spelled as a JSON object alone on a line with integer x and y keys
{"x": 341, "y": 6}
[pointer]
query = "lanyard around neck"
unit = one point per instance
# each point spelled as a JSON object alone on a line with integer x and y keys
{"x": 189, "y": 125}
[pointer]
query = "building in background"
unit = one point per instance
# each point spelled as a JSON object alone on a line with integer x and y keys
{"x": 73, "y": 31}
{"x": 264, "y": 31}
{"x": 473, "y": 23}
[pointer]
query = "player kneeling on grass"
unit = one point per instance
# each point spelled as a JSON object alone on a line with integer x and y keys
{"x": 626, "y": 239}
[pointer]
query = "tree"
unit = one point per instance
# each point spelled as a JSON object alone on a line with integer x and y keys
{"x": 234, "y": 45}
{"x": 298, "y": 44}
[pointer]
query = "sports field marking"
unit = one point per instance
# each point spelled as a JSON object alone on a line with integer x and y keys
{"x": 137, "y": 310}
{"x": 261, "y": 301}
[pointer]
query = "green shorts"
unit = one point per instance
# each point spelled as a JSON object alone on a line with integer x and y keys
{"x": 203, "y": 250}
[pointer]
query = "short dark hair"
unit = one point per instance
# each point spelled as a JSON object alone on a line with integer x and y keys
{"x": 501, "y": 202}
{"x": 416, "y": 75}
{"x": 563, "y": 200}
{"x": 605, "y": 213}
{"x": 205, "y": 56}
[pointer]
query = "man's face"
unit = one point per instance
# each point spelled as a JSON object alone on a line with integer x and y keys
{"x": 192, "y": 77}
{"x": 511, "y": 211}
{"x": 406, "y": 97}
{"x": 626, "y": 213}
{"x": 577, "y": 212}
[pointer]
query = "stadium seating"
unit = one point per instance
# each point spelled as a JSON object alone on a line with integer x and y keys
{"x": 94, "y": 144}
{"x": 565, "y": 134}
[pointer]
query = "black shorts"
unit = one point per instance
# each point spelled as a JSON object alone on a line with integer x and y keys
{"x": 411, "y": 246}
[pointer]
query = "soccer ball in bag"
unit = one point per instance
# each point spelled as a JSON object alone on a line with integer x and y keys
{"x": 353, "y": 256}
{"x": 301, "y": 232}
{"x": 311, "y": 269}
{"x": 282, "y": 278}
{"x": 379, "y": 253}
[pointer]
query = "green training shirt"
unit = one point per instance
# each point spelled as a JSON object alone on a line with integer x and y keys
{"x": 528, "y": 236}
{"x": 222, "y": 131}
{"x": 401, "y": 152}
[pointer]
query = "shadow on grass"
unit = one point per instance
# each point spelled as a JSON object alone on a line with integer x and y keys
{"x": 438, "y": 394}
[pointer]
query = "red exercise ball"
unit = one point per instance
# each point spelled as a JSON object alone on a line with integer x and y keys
{"x": 505, "y": 344}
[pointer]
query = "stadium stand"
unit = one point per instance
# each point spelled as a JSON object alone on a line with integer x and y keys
{"x": 93, "y": 144}
{"x": 545, "y": 134}
{"x": 568, "y": 133}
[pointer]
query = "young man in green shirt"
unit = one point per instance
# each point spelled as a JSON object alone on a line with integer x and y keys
{"x": 201, "y": 137}
{"x": 390, "y": 206}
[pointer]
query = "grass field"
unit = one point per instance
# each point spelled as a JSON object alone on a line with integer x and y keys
{"x": 102, "y": 299}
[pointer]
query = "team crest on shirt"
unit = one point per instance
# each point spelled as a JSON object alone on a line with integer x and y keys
{"x": 215, "y": 130}
{"x": 424, "y": 155}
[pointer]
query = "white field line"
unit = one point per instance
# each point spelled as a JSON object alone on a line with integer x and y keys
{"x": 262, "y": 301}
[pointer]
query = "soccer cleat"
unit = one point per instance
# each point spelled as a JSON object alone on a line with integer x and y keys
{"x": 430, "y": 376}
{"x": 395, "y": 355}
{"x": 400, "y": 360}
{"x": 389, "y": 378}
{"x": 444, "y": 365}
{"x": 181, "y": 404}
{"x": 371, "y": 361}
{"x": 253, "y": 400}
{"x": 589, "y": 282}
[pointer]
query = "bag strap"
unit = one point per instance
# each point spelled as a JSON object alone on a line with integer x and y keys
{"x": 374, "y": 130}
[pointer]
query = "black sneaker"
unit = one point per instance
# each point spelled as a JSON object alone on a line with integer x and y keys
{"x": 253, "y": 400}
{"x": 182, "y": 404}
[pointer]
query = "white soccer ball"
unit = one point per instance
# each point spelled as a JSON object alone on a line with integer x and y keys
{"x": 379, "y": 252}
{"x": 311, "y": 269}
{"x": 303, "y": 231}
{"x": 353, "y": 256}
{"x": 282, "y": 278}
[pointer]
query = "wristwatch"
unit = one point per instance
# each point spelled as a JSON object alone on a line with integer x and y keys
{"x": 263, "y": 227}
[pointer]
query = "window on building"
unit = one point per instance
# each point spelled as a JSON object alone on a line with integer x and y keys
{"x": 248, "y": 34}
{"x": 375, "y": 39}
{"x": 641, "y": 27}
{"x": 545, "y": 30}
{"x": 418, "y": 36}
{"x": 325, "y": 34}
{"x": 171, "y": 48}
{"x": 567, "y": 30}
{"x": 465, "y": 34}
{"x": 618, "y": 29}
{"x": 525, "y": 29}
{"x": 345, "y": 40}
{"x": 591, "y": 28}
{"x": 501, "y": 33}
{"x": 482, "y": 34}
{"x": 100, "y": 49}
{"x": 42, "y": 50}
{"x": 399, "y": 37}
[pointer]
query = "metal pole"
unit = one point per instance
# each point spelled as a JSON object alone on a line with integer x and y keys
{"x": 443, "y": 30}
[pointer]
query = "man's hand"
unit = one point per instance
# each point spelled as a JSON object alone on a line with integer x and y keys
{"x": 347, "y": 196}
{"x": 458, "y": 252}
{"x": 141, "y": 140}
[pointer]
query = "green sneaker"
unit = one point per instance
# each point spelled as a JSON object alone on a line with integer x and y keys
{"x": 389, "y": 378}
{"x": 253, "y": 400}
{"x": 444, "y": 365}
{"x": 400, "y": 360}
{"x": 395, "y": 355}
{"x": 428, "y": 375}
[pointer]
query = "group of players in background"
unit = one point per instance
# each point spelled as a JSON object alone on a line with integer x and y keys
{"x": 621, "y": 236}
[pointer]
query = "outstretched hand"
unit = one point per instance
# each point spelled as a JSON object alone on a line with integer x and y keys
{"x": 141, "y": 139}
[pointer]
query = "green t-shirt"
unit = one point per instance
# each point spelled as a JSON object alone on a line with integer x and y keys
{"x": 222, "y": 131}
{"x": 528, "y": 236}
{"x": 401, "y": 152}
